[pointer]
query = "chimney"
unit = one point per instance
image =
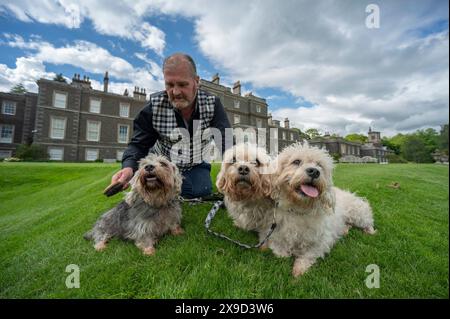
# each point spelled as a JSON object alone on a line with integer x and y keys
{"x": 216, "y": 78}
{"x": 105, "y": 82}
{"x": 237, "y": 88}
{"x": 125, "y": 93}
{"x": 286, "y": 123}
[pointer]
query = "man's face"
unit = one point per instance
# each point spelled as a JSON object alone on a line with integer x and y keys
{"x": 181, "y": 85}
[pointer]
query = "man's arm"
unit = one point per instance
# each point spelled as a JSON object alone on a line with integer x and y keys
{"x": 220, "y": 120}
{"x": 144, "y": 137}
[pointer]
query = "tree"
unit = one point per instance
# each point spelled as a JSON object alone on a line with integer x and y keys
{"x": 356, "y": 138}
{"x": 414, "y": 149}
{"x": 18, "y": 89}
{"x": 312, "y": 133}
{"x": 430, "y": 137}
{"x": 443, "y": 139}
{"x": 394, "y": 143}
{"x": 60, "y": 78}
{"x": 302, "y": 135}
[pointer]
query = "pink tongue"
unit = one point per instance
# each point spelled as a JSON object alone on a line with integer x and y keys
{"x": 311, "y": 191}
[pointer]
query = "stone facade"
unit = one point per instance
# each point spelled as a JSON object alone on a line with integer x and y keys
{"x": 76, "y": 123}
{"x": 341, "y": 147}
{"x": 17, "y": 116}
{"x": 251, "y": 112}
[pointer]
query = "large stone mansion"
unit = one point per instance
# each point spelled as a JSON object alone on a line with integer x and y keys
{"x": 77, "y": 123}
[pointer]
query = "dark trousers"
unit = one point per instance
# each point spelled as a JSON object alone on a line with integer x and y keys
{"x": 197, "y": 181}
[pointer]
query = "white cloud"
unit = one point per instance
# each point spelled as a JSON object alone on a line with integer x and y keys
{"x": 27, "y": 71}
{"x": 395, "y": 77}
{"x": 82, "y": 54}
{"x": 114, "y": 18}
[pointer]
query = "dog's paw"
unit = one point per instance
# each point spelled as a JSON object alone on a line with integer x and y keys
{"x": 177, "y": 231}
{"x": 346, "y": 230}
{"x": 264, "y": 247}
{"x": 370, "y": 230}
{"x": 100, "y": 246}
{"x": 149, "y": 251}
{"x": 301, "y": 266}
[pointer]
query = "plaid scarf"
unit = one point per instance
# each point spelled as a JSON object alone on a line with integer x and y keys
{"x": 175, "y": 143}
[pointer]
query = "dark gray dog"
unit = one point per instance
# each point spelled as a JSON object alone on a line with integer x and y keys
{"x": 150, "y": 210}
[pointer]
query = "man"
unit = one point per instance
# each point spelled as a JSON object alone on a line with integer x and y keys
{"x": 171, "y": 125}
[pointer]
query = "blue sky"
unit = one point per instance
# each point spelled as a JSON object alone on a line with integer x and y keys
{"x": 315, "y": 62}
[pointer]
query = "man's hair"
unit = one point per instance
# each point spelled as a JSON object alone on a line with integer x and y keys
{"x": 176, "y": 58}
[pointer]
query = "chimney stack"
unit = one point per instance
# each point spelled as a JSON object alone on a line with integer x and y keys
{"x": 105, "y": 82}
{"x": 216, "y": 78}
{"x": 237, "y": 88}
{"x": 286, "y": 123}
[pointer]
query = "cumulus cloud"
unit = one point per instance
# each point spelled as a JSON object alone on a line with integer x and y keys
{"x": 394, "y": 78}
{"x": 81, "y": 54}
{"x": 114, "y": 18}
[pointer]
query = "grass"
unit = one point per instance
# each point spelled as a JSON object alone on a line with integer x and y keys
{"x": 45, "y": 208}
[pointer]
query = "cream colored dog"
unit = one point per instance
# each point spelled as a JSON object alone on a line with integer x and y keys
{"x": 312, "y": 214}
{"x": 244, "y": 179}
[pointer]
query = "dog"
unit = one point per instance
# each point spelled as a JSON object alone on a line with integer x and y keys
{"x": 245, "y": 181}
{"x": 150, "y": 210}
{"x": 311, "y": 213}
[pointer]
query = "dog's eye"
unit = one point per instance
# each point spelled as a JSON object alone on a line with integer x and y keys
{"x": 163, "y": 164}
{"x": 257, "y": 163}
{"x": 297, "y": 162}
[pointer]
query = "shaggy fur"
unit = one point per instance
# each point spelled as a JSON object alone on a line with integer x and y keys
{"x": 244, "y": 179}
{"x": 150, "y": 209}
{"x": 311, "y": 214}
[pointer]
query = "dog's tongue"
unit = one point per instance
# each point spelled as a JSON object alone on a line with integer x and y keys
{"x": 311, "y": 191}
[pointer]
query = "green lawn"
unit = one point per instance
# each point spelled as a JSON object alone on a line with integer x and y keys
{"x": 45, "y": 208}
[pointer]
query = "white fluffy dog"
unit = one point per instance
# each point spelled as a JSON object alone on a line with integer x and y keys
{"x": 311, "y": 214}
{"x": 244, "y": 179}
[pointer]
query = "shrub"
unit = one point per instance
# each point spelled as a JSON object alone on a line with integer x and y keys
{"x": 32, "y": 153}
{"x": 394, "y": 158}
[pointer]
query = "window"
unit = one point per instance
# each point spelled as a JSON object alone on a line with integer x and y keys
{"x": 6, "y": 133}
{"x": 58, "y": 128}
{"x": 123, "y": 134}
{"x": 119, "y": 155}
{"x": 284, "y": 135}
{"x": 237, "y": 103}
{"x": 91, "y": 154}
{"x": 60, "y": 100}
{"x": 93, "y": 131}
{"x": 258, "y": 108}
{"x": 124, "y": 110}
{"x": 292, "y": 136}
{"x": 56, "y": 153}
{"x": 258, "y": 123}
{"x": 5, "y": 154}
{"x": 237, "y": 119}
{"x": 94, "y": 105}
{"x": 9, "y": 108}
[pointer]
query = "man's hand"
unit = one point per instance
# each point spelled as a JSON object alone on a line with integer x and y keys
{"x": 123, "y": 177}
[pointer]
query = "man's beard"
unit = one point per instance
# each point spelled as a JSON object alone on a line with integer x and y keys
{"x": 180, "y": 104}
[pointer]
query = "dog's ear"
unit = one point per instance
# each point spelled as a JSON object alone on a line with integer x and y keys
{"x": 220, "y": 179}
{"x": 266, "y": 184}
{"x": 329, "y": 200}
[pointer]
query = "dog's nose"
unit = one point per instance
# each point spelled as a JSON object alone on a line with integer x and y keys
{"x": 312, "y": 172}
{"x": 243, "y": 170}
{"x": 149, "y": 168}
